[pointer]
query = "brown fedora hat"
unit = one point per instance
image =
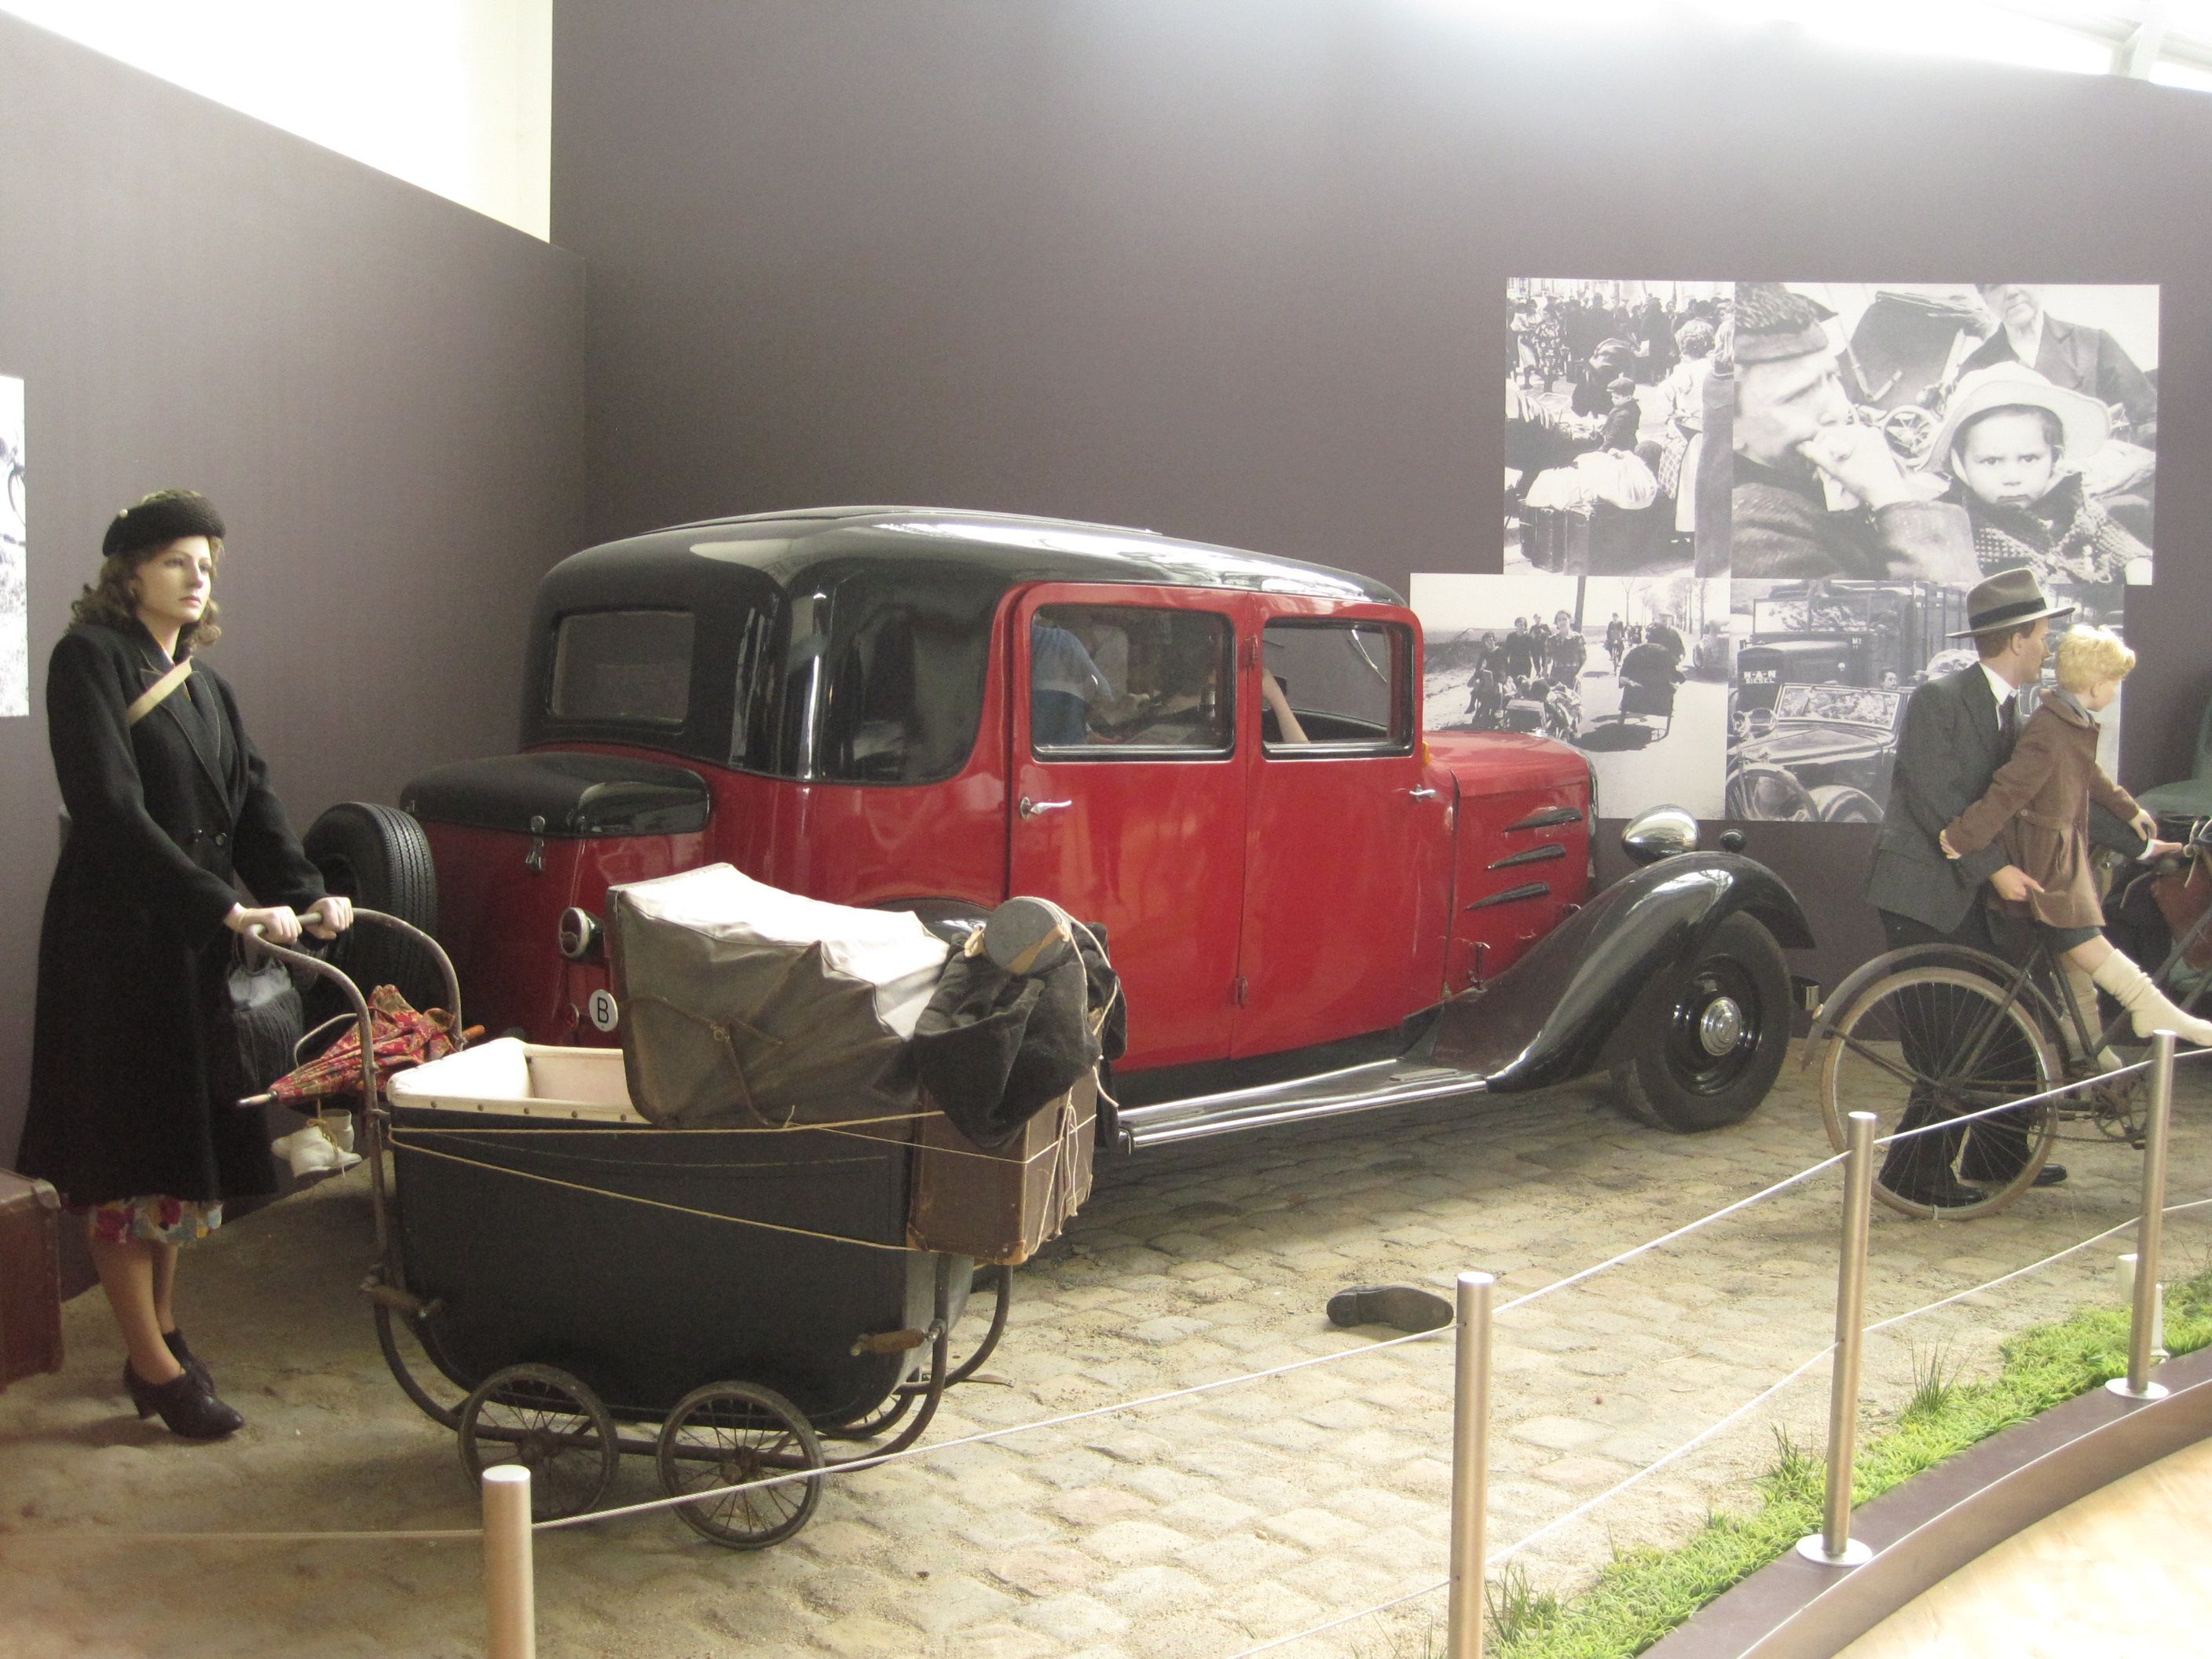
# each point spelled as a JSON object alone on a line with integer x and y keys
{"x": 2011, "y": 599}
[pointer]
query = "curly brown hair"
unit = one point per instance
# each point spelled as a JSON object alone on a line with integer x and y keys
{"x": 107, "y": 598}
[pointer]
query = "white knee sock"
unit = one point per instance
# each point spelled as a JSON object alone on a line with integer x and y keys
{"x": 2085, "y": 998}
{"x": 2147, "y": 1008}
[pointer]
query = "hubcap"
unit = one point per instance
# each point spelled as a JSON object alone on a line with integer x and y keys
{"x": 1721, "y": 1027}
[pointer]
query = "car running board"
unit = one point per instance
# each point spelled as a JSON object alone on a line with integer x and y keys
{"x": 1368, "y": 1088}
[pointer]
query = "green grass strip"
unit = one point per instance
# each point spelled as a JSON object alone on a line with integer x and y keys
{"x": 1645, "y": 1593}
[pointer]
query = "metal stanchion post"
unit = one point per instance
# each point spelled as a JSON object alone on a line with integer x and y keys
{"x": 2143, "y": 1313}
{"x": 1833, "y": 1544}
{"x": 1470, "y": 1464}
{"x": 510, "y": 1592}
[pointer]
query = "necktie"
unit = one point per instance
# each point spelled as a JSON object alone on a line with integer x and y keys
{"x": 2008, "y": 722}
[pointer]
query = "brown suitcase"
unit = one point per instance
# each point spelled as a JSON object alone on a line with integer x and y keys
{"x": 998, "y": 1206}
{"x": 30, "y": 1277}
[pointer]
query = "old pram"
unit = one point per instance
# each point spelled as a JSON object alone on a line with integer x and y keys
{"x": 720, "y": 1299}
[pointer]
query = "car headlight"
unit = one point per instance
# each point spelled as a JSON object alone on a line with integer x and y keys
{"x": 1661, "y": 832}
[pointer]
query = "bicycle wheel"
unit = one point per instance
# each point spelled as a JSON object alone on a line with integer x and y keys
{"x": 1934, "y": 1042}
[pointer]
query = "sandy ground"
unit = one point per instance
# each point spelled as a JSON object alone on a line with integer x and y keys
{"x": 1191, "y": 1529}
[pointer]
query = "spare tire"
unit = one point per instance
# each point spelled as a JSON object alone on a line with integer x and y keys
{"x": 378, "y": 857}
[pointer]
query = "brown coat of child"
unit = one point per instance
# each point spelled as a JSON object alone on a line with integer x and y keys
{"x": 2039, "y": 802}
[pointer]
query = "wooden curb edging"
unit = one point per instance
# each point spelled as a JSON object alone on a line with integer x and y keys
{"x": 1926, "y": 1529}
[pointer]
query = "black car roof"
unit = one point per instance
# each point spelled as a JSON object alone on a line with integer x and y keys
{"x": 787, "y": 545}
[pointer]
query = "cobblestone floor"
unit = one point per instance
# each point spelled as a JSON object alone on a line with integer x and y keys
{"x": 1192, "y": 1530}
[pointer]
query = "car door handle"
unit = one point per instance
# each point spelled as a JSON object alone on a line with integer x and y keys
{"x": 1423, "y": 794}
{"x": 1030, "y": 809}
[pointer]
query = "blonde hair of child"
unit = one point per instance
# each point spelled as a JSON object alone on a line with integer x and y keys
{"x": 2088, "y": 656}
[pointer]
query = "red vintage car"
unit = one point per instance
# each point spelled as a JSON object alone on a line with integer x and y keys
{"x": 1218, "y": 755}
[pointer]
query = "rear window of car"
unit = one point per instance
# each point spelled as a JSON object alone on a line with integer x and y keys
{"x": 629, "y": 667}
{"x": 883, "y": 676}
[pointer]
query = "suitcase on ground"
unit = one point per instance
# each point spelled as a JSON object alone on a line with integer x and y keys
{"x": 30, "y": 1277}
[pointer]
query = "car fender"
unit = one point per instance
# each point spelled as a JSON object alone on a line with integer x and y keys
{"x": 1568, "y": 1006}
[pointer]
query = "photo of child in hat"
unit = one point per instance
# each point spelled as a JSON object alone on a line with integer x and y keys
{"x": 2015, "y": 445}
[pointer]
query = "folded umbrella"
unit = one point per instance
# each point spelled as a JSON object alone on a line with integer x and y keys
{"x": 401, "y": 1037}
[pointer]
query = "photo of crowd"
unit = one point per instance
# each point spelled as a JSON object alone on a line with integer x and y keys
{"x": 1632, "y": 671}
{"x": 1607, "y": 427}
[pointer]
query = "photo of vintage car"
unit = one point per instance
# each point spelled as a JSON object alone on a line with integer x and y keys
{"x": 1818, "y": 754}
{"x": 1316, "y": 905}
{"x": 1819, "y": 688}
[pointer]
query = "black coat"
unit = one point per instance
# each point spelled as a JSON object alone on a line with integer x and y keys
{"x": 133, "y": 950}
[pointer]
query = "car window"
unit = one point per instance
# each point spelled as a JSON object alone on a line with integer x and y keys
{"x": 1112, "y": 681}
{"x": 1335, "y": 688}
{"x": 626, "y": 666}
{"x": 883, "y": 676}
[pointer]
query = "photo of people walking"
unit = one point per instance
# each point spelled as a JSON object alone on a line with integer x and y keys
{"x": 1632, "y": 671}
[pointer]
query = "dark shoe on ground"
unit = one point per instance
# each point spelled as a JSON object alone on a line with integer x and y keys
{"x": 2051, "y": 1175}
{"x": 187, "y": 1406}
{"x": 1405, "y": 1307}
{"x": 1943, "y": 1192}
{"x": 181, "y": 1351}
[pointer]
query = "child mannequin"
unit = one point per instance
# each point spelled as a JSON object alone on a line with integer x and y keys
{"x": 2039, "y": 802}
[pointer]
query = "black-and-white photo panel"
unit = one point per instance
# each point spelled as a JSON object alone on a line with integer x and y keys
{"x": 1632, "y": 670}
{"x": 15, "y": 642}
{"x": 1942, "y": 432}
{"x": 1822, "y": 671}
{"x": 1610, "y": 428}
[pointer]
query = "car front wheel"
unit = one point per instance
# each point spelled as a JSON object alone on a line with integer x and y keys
{"x": 1716, "y": 1043}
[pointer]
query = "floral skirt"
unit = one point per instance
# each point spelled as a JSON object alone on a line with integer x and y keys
{"x": 155, "y": 1219}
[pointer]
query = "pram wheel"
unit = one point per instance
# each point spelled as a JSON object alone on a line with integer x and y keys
{"x": 549, "y": 1423}
{"x": 728, "y": 1433}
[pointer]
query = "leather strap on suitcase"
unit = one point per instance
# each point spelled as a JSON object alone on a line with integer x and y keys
{"x": 30, "y": 1277}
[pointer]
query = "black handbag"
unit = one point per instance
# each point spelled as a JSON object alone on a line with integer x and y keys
{"x": 259, "y": 1018}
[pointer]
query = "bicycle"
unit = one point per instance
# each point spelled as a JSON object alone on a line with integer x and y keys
{"x": 1943, "y": 1031}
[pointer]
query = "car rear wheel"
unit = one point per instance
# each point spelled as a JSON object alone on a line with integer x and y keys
{"x": 1717, "y": 1044}
{"x": 378, "y": 857}
{"x": 1768, "y": 794}
{"x": 1839, "y": 803}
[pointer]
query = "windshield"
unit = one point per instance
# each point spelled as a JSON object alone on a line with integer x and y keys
{"x": 1856, "y": 704}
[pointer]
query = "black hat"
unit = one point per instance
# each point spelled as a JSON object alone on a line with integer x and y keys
{"x": 159, "y": 520}
{"x": 2011, "y": 599}
{"x": 1773, "y": 323}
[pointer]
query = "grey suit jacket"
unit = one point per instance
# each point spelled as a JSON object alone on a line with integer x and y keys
{"x": 1951, "y": 747}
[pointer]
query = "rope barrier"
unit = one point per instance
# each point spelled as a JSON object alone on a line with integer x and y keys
{"x": 2078, "y": 1084}
{"x": 1806, "y": 1174}
{"x": 102, "y": 1536}
{"x": 1500, "y": 1556}
{"x": 993, "y": 1435}
{"x": 655, "y": 1203}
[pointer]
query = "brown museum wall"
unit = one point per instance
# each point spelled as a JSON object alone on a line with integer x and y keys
{"x": 382, "y": 389}
{"x": 1235, "y": 270}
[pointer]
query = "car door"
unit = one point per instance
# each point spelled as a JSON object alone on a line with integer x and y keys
{"x": 1348, "y": 840}
{"x": 1127, "y": 794}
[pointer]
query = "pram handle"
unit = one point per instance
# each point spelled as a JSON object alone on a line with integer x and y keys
{"x": 372, "y": 1151}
